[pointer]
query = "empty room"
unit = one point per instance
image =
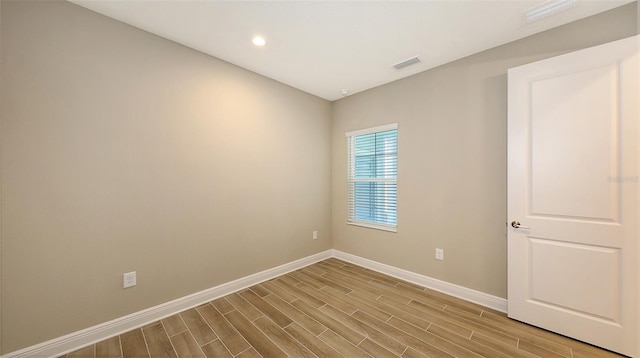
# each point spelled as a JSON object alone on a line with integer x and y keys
{"x": 319, "y": 178}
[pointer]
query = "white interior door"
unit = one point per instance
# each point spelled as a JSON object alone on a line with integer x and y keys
{"x": 574, "y": 188}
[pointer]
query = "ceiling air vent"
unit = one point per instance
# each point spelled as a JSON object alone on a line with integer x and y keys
{"x": 408, "y": 62}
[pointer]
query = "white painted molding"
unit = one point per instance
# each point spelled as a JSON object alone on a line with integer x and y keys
{"x": 73, "y": 341}
{"x": 467, "y": 294}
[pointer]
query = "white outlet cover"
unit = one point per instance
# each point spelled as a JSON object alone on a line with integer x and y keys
{"x": 315, "y": 235}
{"x": 129, "y": 279}
{"x": 439, "y": 254}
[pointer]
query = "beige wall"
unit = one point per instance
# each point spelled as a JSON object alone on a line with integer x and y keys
{"x": 452, "y": 157}
{"x": 123, "y": 151}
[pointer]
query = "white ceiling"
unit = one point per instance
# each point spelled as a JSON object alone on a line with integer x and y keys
{"x": 322, "y": 47}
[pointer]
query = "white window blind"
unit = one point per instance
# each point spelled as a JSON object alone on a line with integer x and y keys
{"x": 373, "y": 175}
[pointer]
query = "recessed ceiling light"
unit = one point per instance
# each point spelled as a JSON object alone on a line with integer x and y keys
{"x": 259, "y": 41}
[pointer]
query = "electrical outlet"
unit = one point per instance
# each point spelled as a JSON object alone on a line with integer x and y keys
{"x": 315, "y": 235}
{"x": 129, "y": 279}
{"x": 439, "y": 254}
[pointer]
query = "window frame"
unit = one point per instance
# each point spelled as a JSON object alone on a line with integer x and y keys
{"x": 351, "y": 180}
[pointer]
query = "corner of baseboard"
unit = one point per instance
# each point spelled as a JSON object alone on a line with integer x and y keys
{"x": 467, "y": 294}
{"x": 91, "y": 335}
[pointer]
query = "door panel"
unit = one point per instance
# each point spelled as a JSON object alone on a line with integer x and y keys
{"x": 573, "y": 169}
{"x": 560, "y": 175}
{"x": 591, "y": 266}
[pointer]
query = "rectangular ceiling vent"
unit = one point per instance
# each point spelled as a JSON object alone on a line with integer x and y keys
{"x": 408, "y": 62}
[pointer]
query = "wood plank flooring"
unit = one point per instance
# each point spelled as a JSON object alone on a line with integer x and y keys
{"x": 337, "y": 309}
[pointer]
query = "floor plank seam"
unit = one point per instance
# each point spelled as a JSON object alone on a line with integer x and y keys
{"x": 169, "y": 338}
{"x": 239, "y": 354}
{"x": 144, "y": 338}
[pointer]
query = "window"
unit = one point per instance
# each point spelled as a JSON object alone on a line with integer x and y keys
{"x": 373, "y": 173}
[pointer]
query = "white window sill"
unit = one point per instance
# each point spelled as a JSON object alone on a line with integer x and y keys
{"x": 374, "y": 226}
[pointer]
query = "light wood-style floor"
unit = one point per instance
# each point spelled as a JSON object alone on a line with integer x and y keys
{"x": 336, "y": 309}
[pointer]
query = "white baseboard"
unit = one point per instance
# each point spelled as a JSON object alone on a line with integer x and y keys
{"x": 71, "y": 342}
{"x": 467, "y": 294}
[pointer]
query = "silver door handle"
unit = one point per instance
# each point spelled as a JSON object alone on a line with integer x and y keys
{"x": 516, "y": 225}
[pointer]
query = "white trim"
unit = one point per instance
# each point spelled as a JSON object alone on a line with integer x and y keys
{"x": 390, "y": 228}
{"x": 467, "y": 294}
{"x": 73, "y": 341}
{"x": 375, "y": 180}
{"x": 386, "y": 127}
